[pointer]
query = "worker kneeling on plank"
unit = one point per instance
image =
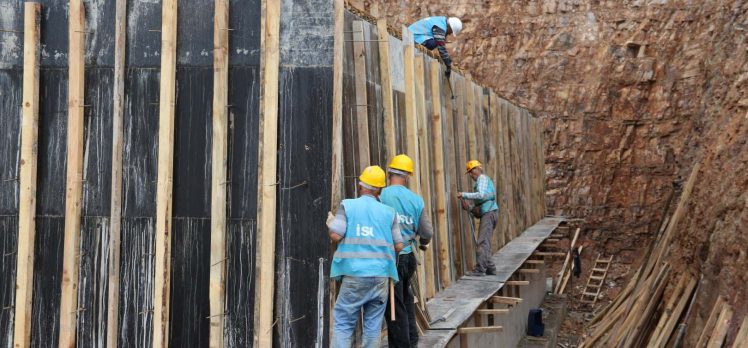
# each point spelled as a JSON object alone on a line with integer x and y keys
{"x": 368, "y": 237}
{"x": 402, "y": 332}
{"x": 482, "y": 204}
{"x": 431, "y": 32}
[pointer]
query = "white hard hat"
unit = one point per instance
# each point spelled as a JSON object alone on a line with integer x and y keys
{"x": 456, "y": 25}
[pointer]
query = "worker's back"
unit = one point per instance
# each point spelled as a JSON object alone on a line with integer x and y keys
{"x": 422, "y": 29}
{"x": 409, "y": 208}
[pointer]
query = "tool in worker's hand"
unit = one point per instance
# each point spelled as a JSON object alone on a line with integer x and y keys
{"x": 472, "y": 225}
{"x": 392, "y": 300}
{"x": 443, "y": 317}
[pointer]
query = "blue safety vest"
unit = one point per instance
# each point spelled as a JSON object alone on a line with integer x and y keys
{"x": 409, "y": 208}
{"x": 489, "y": 204}
{"x": 367, "y": 249}
{"x": 422, "y": 29}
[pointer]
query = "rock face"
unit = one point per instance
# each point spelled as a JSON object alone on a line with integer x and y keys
{"x": 633, "y": 93}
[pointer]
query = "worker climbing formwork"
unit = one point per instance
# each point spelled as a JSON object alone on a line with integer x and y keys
{"x": 431, "y": 33}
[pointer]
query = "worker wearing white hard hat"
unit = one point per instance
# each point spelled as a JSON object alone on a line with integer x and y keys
{"x": 431, "y": 32}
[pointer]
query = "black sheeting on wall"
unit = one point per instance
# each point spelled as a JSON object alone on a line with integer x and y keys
{"x": 10, "y": 109}
{"x": 304, "y": 170}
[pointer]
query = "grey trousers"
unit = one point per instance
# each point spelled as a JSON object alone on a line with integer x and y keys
{"x": 485, "y": 234}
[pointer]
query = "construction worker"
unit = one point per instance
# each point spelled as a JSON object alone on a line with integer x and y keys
{"x": 402, "y": 332}
{"x": 431, "y": 32}
{"x": 368, "y": 237}
{"x": 482, "y": 204}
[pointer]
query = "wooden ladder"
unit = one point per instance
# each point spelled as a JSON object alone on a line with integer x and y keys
{"x": 596, "y": 280}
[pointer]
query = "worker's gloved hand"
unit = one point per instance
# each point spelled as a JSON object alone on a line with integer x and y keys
{"x": 330, "y": 218}
{"x": 448, "y": 72}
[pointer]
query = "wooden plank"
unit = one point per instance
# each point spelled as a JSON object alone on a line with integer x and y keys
{"x": 535, "y": 262}
{"x": 361, "y": 108}
{"x": 74, "y": 175}
{"x": 386, "y": 82}
{"x": 479, "y": 330}
{"x": 567, "y": 259}
{"x": 505, "y": 300}
{"x": 165, "y": 174}
{"x": 529, "y": 270}
{"x": 337, "y": 176}
{"x": 480, "y": 126}
{"x": 27, "y": 176}
{"x": 411, "y": 118}
{"x": 115, "y": 221}
{"x": 424, "y": 172}
{"x": 741, "y": 339}
{"x": 663, "y": 334}
{"x": 452, "y": 172}
{"x": 517, "y": 282}
{"x": 440, "y": 185}
{"x": 720, "y": 329}
{"x": 668, "y": 309}
{"x": 494, "y": 311}
{"x": 472, "y": 144}
{"x": 548, "y": 253}
{"x": 268, "y": 161}
{"x": 464, "y": 183}
{"x": 496, "y": 163}
{"x": 219, "y": 177}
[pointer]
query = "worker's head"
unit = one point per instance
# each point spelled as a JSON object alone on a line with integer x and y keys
{"x": 454, "y": 26}
{"x": 399, "y": 169}
{"x": 474, "y": 169}
{"x": 371, "y": 180}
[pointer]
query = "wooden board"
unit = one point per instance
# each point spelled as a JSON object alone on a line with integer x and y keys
{"x": 219, "y": 177}
{"x": 115, "y": 221}
{"x": 385, "y": 81}
{"x": 440, "y": 185}
{"x": 266, "y": 181}
{"x": 74, "y": 177}
{"x": 411, "y": 117}
{"x": 167, "y": 101}
{"x": 424, "y": 171}
{"x": 27, "y": 176}
{"x": 361, "y": 109}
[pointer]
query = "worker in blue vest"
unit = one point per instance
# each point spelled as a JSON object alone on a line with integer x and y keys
{"x": 482, "y": 204}
{"x": 368, "y": 237}
{"x": 431, "y": 32}
{"x": 414, "y": 222}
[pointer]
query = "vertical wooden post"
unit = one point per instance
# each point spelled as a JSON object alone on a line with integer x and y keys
{"x": 424, "y": 172}
{"x": 479, "y": 126}
{"x": 465, "y": 183}
{"x": 74, "y": 177}
{"x": 115, "y": 221}
{"x": 361, "y": 107}
{"x": 497, "y": 165}
{"x": 440, "y": 186}
{"x": 219, "y": 178}
{"x": 164, "y": 187}
{"x": 27, "y": 177}
{"x": 472, "y": 143}
{"x": 336, "y": 181}
{"x": 454, "y": 241}
{"x": 268, "y": 161}
{"x": 386, "y": 82}
{"x": 411, "y": 122}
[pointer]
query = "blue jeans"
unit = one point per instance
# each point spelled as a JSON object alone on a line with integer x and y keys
{"x": 357, "y": 293}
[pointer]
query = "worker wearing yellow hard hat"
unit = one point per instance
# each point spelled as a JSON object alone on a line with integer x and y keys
{"x": 368, "y": 237}
{"x": 482, "y": 204}
{"x": 414, "y": 222}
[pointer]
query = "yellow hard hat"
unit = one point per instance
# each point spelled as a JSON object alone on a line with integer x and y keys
{"x": 472, "y": 164}
{"x": 373, "y": 176}
{"x": 402, "y": 163}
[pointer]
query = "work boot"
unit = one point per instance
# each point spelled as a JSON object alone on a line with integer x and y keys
{"x": 475, "y": 274}
{"x": 490, "y": 272}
